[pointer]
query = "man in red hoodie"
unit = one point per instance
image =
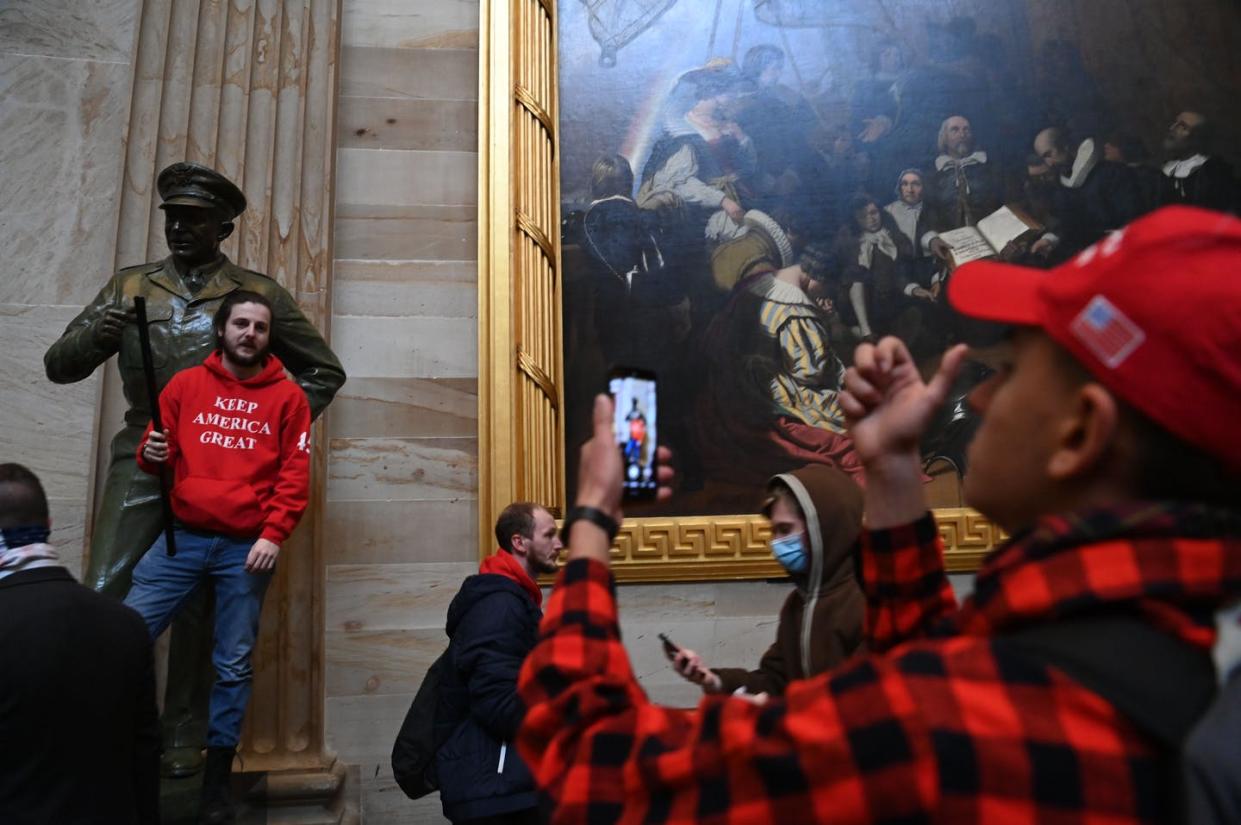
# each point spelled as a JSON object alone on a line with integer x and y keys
{"x": 236, "y": 439}
{"x": 493, "y": 623}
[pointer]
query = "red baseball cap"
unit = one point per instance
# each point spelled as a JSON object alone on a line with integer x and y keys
{"x": 1153, "y": 311}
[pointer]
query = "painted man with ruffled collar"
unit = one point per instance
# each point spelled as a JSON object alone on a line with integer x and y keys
{"x": 968, "y": 184}
{"x": 182, "y": 293}
{"x": 1095, "y": 196}
{"x": 1192, "y": 175}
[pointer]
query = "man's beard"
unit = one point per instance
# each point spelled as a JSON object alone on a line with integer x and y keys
{"x": 541, "y": 566}
{"x": 242, "y": 360}
{"x": 1176, "y": 149}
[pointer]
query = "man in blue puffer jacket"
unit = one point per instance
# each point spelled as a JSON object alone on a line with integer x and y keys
{"x": 493, "y": 623}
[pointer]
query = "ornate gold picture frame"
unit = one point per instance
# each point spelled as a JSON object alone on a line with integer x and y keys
{"x": 521, "y": 394}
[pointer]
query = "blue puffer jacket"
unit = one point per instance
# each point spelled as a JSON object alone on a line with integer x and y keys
{"x": 493, "y": 623}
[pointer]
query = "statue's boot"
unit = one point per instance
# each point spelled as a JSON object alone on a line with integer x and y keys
{"x": 178, "y": 763}
{"x": 216, "y": 806}
{"x": 186, "y": 698}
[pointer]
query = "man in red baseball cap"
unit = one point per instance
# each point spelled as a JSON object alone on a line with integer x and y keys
{"x": 1105, "y": 449}
{"x": 1120, "y": 381}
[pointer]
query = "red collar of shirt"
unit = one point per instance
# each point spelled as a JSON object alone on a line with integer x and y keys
{"x": 503, "y": 563}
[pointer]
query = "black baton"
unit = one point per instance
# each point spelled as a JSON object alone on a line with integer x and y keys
{"x": 148, "y": 368}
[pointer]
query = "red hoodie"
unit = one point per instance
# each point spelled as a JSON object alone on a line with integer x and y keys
{"x": 239, "y": 449}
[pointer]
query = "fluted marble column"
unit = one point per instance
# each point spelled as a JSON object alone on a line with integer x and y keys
{"x": 248, "y": 87}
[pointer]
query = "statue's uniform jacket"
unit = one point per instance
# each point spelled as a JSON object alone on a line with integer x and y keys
{"x": 128, "y": 516}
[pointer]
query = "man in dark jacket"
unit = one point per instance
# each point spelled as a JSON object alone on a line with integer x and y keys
{"x": 968, "y": 184}
{"x": 1192, "y": 174}
{"x": 1095, "y": 196}
{"x": 821, "y": 620}
{"x": 493, "y": 623}
{"x": 77, "y": 685}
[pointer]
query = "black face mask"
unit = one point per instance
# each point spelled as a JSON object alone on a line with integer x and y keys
{"x": 21, "y": 536}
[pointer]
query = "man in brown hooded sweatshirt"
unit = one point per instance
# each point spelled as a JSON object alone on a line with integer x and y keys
{"x": 816, "y": 516}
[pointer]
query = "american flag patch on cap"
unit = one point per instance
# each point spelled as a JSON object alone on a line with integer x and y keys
{"x": 1106, "y": 331}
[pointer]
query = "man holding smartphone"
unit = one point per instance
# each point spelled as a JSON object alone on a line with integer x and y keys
{"x": 821, "y": 620}
{"x": 1107, "y": 448}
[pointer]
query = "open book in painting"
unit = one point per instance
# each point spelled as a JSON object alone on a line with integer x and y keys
{"x": 991, "y": 234}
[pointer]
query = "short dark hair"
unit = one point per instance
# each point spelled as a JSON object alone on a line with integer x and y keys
{"x": 1168, "y": 468}
{"x": 22, "y": 500}
{"x": 816, "y": 260}
{"x": 515, "y": 519}
{"x": 1172, "y": 469}
{"x": 860, "y": 201}
{"x": 611, "y": 175}
{"x": 241, "y": 296}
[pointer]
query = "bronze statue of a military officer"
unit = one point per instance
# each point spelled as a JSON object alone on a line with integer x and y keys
{"x": 182, "y": 293}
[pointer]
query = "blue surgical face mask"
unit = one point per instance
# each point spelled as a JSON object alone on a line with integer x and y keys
{"x": 790, "y": 553}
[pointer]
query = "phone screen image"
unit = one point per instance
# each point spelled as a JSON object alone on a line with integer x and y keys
{"x": 636, "y": 433}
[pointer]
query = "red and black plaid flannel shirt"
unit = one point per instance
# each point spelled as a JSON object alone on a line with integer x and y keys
{"x": 940, "y": 722}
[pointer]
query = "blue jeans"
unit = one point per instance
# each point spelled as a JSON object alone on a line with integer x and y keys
{"x": 161, "y": 585}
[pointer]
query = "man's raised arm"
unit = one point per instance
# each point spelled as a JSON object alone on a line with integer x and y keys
{"x": 848, "y": 746}
{"x": 888, "y": 408}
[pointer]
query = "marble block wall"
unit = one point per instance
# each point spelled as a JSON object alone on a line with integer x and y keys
{"x": 402, "y": 480}
{"x": 65, "y": 73}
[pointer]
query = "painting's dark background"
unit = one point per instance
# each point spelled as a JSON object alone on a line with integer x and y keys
{"x": 1147, "y": 60}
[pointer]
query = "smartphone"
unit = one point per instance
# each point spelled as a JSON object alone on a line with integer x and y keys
{"x": 636, "y": 426}
{"x": 670, "y": 647}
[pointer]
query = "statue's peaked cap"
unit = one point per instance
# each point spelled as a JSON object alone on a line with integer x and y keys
{"x": 192, "y": 184}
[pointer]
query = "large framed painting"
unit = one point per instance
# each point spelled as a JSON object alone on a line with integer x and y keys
{"x": 734, "y": 193}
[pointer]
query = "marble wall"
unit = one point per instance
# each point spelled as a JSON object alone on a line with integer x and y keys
{"x": 65, "y": 74}
{"x": 402, "y": 481}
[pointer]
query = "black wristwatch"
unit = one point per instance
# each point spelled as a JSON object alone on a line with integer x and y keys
{"x": 595, "y": 516}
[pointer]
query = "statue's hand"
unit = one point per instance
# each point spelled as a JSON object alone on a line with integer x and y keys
{"x": 108, "y": 329}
